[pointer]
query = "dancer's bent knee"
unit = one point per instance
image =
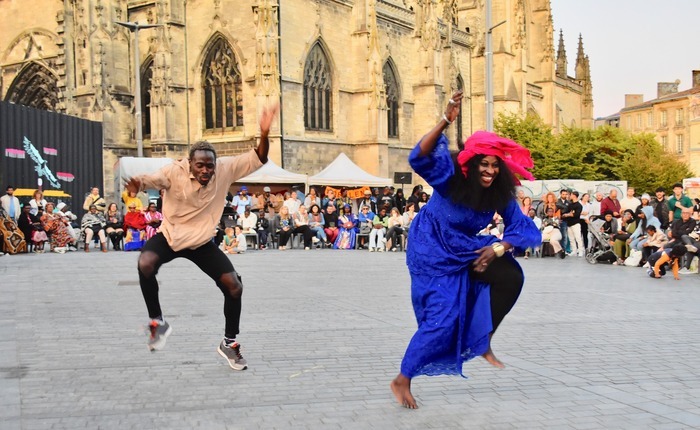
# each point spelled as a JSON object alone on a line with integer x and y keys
{"x": 231, "y": 285}
{"x": 147, "y": 263}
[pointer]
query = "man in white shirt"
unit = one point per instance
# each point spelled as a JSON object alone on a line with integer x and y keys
{"x": 630, "y": 202}
{"x": 248, "y": 221}
{"x": 11, "y": 204}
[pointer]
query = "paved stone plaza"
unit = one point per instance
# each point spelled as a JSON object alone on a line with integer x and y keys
{"x": 587, "y": 347}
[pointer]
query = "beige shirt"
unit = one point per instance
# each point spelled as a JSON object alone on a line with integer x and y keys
{"x": 191, "y": 212}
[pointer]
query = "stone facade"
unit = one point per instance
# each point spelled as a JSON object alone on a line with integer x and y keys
{"x": 211, "y": 66}
{"x": 673, "y": 117}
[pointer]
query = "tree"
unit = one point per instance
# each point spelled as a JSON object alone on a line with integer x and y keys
{"x": 606, "y": 153}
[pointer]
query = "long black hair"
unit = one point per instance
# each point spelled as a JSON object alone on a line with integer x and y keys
{"x": 467, "y": 191}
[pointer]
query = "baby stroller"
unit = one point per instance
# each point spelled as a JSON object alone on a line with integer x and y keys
{"x": 599, "y": 250}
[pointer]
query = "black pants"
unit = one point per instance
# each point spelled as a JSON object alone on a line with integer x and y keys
{"x": 210, "y": 259}
{"x": 584, "y": 234}
{"x": 506, "y": 281}
{"x": 394, "y": 234}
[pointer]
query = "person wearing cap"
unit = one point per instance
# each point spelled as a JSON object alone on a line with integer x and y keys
{"x": 678, "y": 203}
{"x": 463, "y": 284}
{"x": 194, "y": 199}
{"x": 241, "y": 201}
{"x": 368, "y": 201}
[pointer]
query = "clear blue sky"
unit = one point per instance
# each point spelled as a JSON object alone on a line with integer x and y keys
{"x": 632, "y": 45}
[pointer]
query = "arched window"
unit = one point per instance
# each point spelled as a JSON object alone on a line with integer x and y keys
{"x": 460, "y": 136}
{"x": 146, "y": 85}
{"x": 35, "y": 86}
{"x": 317, "y": 90}
{"x": 391, "y": 87}
{"x": 223, "y": 108}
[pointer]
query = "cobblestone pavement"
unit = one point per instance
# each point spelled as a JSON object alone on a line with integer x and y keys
{"x": 587, "y": 347}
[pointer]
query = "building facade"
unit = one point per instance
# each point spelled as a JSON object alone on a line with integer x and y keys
{"x": 673, "y": 117}
{"x": 363, "y": 77}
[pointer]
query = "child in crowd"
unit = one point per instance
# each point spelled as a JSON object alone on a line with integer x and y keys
{"x": 240, "y": 241}
{"x": 658, "y": 261}
{"x": 228, "y": 244}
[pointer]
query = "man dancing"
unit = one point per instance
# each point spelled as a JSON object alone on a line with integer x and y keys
{"x": 195, "y": 195}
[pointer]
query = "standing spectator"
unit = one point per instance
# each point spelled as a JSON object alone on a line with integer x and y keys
{"x": 400, "y": 201}
{"x": 330, "y": 198}
{"x": 299, "y": 194}
{"x": 11, "y": 204}
{"x": 386, "y": 200}
{"x": 630, "y": 202}
{"x": 660, "y": 205}
{"x": 93, "y": 223}
{"x": 94, "y": 199}
{"x": 415, "y": 196}
{"x": 312, "y": 198}
{"x": 368, "y": 201}
{"x": 574, "y": 226}
{"x": 565, "y": 215}
{"x": 550, "y": 201}
{"x": 525, "y": 205}
{"x": 241, "y": 201}
{"x": 331, "y": 223}
{"x": 424, "y": 197}
{"x": 159, "y": 200}
{"x": 37, "y": 202}
{"x": 677, "y": 203}
{"x": 586, "y": 209}
{"x": 611, "y": 204}
{"x": 596, "y": 210}
{"x": 131, "y": 197}
{"x": 292, "y": 203}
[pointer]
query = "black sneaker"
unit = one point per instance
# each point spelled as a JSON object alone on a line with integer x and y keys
{"x": 562, "y": 254}
{"x": 158, "y": 332}
{"x": 232, "y": 354}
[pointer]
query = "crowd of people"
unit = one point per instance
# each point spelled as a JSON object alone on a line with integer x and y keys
{"x": 658, "y": 233}
{"x": 45, "y": 223}
{"x": 379, "y": 221}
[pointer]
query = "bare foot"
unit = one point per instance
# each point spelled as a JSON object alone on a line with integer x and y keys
{"x": 491, "y": 358}
{"x": 401, "y": 386}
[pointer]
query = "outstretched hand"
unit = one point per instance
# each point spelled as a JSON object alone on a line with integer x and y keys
{"x": 133, "y": 185}
{"x": 267, "y": 116}
{"x": 454, "y": 106}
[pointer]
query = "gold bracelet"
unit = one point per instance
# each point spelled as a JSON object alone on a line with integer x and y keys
{"x": 498, "y": 248}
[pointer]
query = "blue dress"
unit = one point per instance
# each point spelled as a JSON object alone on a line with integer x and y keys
{"x": 453, "y": 311}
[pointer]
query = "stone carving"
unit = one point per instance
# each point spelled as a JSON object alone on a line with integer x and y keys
{"x": 266, "y": 40}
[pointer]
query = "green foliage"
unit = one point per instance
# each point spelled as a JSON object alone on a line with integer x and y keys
{"x": 606, "y": 153}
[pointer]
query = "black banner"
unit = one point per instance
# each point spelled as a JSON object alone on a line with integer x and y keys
{"x": 61, "y": 152}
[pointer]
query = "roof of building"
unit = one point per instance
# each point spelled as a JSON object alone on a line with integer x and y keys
{"x": 666, "y": 98}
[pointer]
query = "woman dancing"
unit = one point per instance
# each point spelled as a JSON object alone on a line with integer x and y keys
{"x": 463, "y": 284}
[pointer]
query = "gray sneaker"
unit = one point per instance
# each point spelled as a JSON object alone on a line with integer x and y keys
{"x": 232, "y": 354}
{"x": 158, "y": 332}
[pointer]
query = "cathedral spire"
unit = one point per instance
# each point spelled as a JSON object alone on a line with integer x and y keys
{"x": 561, "y": 57}
{"x": 580, "y": 60}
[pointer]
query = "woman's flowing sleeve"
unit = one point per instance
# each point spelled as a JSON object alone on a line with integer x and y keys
{"x": 436, "y": 167}
{"x": 520, "y": 231}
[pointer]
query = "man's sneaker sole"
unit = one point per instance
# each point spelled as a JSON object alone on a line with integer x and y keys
{"x": 231, "y": 363}
{"x": 157, "y": 346}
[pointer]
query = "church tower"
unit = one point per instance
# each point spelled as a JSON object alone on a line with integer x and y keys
{"x": 561, "y": 57}
{"x": 583, "y": 76}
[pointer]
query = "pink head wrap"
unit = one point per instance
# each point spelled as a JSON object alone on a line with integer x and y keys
{"x": 516, "y": 157}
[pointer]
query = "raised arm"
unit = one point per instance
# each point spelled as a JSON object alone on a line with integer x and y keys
{"x": 427, "y": 143}
{"x": 268, "y": 115}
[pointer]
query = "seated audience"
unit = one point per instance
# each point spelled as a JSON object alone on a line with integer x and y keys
{"x": 93, "y": 223}
{"x": 153, "y": 220}
{"x": 347, "y": 225}
{"x": 56, "y": 228}
{"x": 135, "y": 228}
{"x": 628, "y": 224}
{"x": 551, "y": 232}
{"x": 114, "y": 226}
{"x": 301, "y": 225}
{"x": 317, "y": 223}
{"x": 365, "y": 222}
{"x": 395, "y": 230}
{"x": 331, "y": 223}
{"x": 656, "y": 239}
{"x": 33, "y": 230}
{"x": 283, "y": 226}
{"x": 379, "y": 226}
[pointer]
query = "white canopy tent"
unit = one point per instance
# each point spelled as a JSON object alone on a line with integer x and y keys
{"x": 343, "y": 172}
{"x": 271, "y": 173}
